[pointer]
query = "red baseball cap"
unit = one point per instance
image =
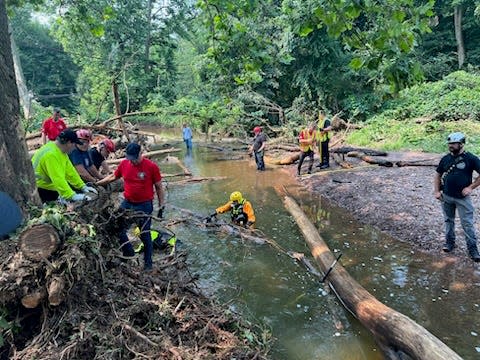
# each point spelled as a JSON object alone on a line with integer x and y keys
{"x": 257, "y": 129}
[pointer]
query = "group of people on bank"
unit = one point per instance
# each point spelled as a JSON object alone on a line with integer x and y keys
{"x": 66, "y": 165}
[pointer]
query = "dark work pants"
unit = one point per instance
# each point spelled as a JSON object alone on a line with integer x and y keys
{"x": 144, "y": 223}
{"x": 303, "y": 155}
{"x": 259, "y": 160}
{"x": 47, "y": 195}
{"x": 325, "y": 160}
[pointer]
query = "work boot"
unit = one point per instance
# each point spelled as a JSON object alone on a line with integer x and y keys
{"x": 324, "y": 166}
{"x": 448, "y": 247}
{"x": 475, "y": 255}
{"x": 298, "y": 172}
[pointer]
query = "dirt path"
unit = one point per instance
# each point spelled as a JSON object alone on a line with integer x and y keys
{"x": 398, "y": 200}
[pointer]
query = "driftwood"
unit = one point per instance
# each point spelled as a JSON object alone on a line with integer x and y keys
{"x": 370, "y": 159}
{"x": 147, "y": 155}
{"x": 285, "y": 161}
{"x": 347, "y": 149}
{"x": 396, "y": 333}
{"x": 173, "y": 159}
{"x": 419, "y": 162}
{"x": 196, "y": 180}
{"x": 344, "y": 164}
{"x": 291, "y": 148}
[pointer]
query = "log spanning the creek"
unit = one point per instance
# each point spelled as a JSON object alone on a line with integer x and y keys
{"x": 396, "y": 333}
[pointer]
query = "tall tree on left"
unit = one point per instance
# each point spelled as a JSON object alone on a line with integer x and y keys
{"x": 16, "y": 177}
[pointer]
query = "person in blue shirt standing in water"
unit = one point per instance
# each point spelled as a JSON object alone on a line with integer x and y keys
{"x": 187, "y": 136}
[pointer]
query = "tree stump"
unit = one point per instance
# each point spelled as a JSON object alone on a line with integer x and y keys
{"x": 39, "y": 242}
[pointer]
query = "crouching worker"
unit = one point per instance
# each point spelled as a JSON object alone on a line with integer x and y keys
{"x": 160, "y": 239}
{"x": 55, "y": 175}
{"x": 241, "y": 211}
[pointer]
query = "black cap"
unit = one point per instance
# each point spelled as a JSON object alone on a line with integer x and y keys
{"x": 10, "y": 214}
{"x": 56, "y": 110}
{"x": 70, "y": 135}
{"x": 133, "y": 151}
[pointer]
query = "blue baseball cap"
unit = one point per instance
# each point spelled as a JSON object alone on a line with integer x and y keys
{"x": 10, "y": 215}
{"x": 133, "y": 151}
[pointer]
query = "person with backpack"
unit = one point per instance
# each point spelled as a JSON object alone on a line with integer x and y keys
{"x": 241, "y": 210}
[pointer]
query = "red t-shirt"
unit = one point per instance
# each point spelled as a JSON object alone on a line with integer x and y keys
{"x": 52, "y": 128}
{"x": 138, "y": 179}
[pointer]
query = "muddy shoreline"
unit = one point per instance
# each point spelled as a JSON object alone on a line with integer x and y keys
{"x": 398, "y": 201}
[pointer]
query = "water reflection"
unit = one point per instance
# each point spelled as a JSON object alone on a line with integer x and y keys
{"x": 305, "y": 319}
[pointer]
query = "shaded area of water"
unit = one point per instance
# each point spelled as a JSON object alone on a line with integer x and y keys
{"x": 306, "y": 321}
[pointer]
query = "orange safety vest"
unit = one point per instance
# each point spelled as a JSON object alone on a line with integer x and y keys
{"x": 305, "y": 135}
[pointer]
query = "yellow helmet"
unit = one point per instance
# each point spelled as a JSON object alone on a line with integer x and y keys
{"x": 236, "y": 196}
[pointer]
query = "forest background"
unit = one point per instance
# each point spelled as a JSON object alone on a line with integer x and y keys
{"x": 407, "y": 70}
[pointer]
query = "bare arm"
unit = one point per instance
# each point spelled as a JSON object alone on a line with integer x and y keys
{"x": 106, "y": 180}
{"x": 44, "y": 138}
{"x": 436, "y": 186}
{"x": 468, "y": 190}
{"x": 84, "y": 174}
{"x": 94, "y": 172}
{"x": 105, "y": 167}
{"x": 159, "y": 191}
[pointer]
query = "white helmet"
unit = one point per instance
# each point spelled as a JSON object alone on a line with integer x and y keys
{"x": 456, "y": 137}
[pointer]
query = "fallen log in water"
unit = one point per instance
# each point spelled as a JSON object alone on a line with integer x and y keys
{"x": 370, "y": 159}
{"x": 291, "y": 148}
{"x": 396, "y": 333}
{"x": 174, "y": 160}
{"x": 147, "y": 155}
{"x": 196, "y": 180}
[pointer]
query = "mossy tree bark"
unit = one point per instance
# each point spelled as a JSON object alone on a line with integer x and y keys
{"x": 17, "y": 177}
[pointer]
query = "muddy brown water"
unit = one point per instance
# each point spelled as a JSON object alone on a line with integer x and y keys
{"x": 279, "y": 296}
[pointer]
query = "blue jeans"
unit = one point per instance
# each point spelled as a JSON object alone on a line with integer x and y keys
{"x": 259, "y": 160}
{"x": 144, "y": 224}
{"x": 188, "y": 142}
{"x": 465, "y": 213}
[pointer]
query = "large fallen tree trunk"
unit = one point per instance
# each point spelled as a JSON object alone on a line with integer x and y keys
{"x": 396, "y": 333}
{"x": 147, "y": 155}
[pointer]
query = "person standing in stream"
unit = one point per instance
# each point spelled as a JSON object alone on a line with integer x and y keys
{"x": 453, "y": 186}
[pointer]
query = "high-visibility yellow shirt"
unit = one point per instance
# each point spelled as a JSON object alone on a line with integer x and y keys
{"x": 325, "y": 135}
{"x": 54, "y": 171}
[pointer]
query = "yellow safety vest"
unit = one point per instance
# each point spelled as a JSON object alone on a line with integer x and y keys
{"x": 326, "y": 135}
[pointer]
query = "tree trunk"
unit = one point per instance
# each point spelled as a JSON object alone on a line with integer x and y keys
{"x": 25, "y": 98}
{"x": 395, "y": 332}
{"x": 118, "y": 111}
{"x": 16, "y": 178}
{"x": 457, "y": 20}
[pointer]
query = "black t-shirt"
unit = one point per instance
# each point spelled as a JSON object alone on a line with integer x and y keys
{"x": 96, "y": 157}
{"x": 456, "y": 172}
{"x": 258, "y": 141}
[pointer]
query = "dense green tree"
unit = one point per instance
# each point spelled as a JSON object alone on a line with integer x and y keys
{"x": 49, "y": 72}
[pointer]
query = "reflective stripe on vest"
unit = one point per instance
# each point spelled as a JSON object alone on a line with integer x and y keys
{"x": 325, "y": 136}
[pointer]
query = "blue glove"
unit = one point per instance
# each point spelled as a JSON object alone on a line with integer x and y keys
{"x": 80, "y": 197}
{"x": 87, "y": 189}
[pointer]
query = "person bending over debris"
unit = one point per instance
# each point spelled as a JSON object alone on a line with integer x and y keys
{"x": 81, "y": 159}
{"x": 100, "y": 154}
{"x": 453, "y": 186}
{"x": 241, "y": 210}
{"x": 140, "y": 177}
{"x": 54, "y": 173}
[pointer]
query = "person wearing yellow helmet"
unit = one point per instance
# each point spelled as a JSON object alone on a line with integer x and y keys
{"x": 241, "y": 210}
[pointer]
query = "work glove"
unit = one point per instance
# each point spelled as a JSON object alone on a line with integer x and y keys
{"x": 89, "y": 189}
{"x": 160, "y": 212}
{"x": 80, "y": 197}
{"x": 210, "y": 217}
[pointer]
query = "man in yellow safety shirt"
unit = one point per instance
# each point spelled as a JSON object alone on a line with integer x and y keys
{"x": 307, "y": 139}
{"x": 323, "y": 138}
{"x": 54, "y": 173}
{"x": 241, "y": 210}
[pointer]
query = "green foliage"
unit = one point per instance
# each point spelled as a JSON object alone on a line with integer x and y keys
{"x": 49, "y": 72}
{"x": 423, "y": 115}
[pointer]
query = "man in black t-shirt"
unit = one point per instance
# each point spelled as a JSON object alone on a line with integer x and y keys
{"x": 453, "y": 186}
{"x": 100, "y": 154}
{"x": 258, "y": 147}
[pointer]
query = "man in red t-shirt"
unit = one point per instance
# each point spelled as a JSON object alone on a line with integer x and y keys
{"x": 140, "y": 176}
{"x": 53, "y": 126}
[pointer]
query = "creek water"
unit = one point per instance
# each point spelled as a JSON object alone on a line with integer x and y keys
{"x": 279, "y": 297}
